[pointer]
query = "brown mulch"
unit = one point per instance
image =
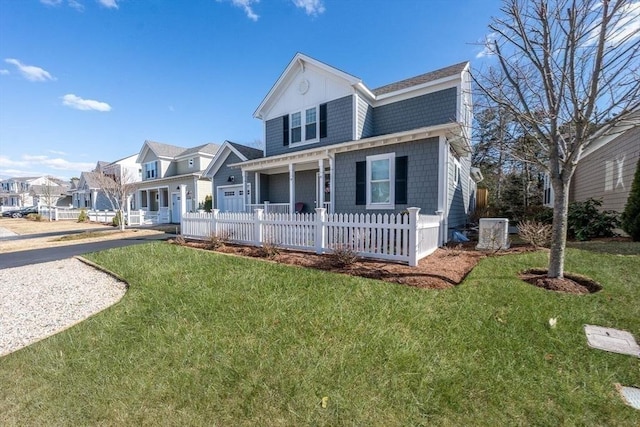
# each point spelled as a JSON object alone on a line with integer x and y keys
{"x": 571, "y": 283}
{"x": 443, "y": 269}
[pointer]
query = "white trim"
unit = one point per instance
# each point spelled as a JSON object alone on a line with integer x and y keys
{"x": 390, "y": 157}
{"x": 355, "y": 134}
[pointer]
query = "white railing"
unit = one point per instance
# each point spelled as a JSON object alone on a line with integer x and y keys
{"x": 268, "y": 207}
{"x": 72, "y": 214}
{"x": 398, "y": 237}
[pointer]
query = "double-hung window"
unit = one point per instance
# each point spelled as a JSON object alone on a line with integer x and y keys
{"x": 150, "y": 170}
{"x": 381, "y": 181}
{"x": 302, "y": 126}
{"x": 380, "y": 176}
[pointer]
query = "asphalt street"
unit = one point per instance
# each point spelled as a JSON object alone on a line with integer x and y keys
{"x": 35, "y": 256}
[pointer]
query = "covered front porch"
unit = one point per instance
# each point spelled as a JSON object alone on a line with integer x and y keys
{"x": 291, "y": 185}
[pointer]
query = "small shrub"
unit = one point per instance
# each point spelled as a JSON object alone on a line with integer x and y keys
{"x": 585, "y": 221}
{"x": 117, "y": 219}
{"x": 344, "y": 255}
{"x": 269, "y": 250}
{"x": 179, "y": 240}
{"x": 83, "y": 217}
{"x": 631, "y": 214}
{"x": 208, "y": 203}
{"x": 536, "y": 233}
{"x": 217, "y": 240}
{"x": 34, "y": 217}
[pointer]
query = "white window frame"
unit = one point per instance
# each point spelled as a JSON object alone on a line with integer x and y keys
{"x": 456, "y": 171}
{"x": 190, "y": 163}
{"x": 391, "y": 157}
{"x": 303, "y": 126}
{"x": 150, "y": 166}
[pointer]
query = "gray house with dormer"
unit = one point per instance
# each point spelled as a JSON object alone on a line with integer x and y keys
{"x": 332, "y": 142}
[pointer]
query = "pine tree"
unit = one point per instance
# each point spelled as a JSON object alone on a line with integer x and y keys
{"x": 631, "y": 214}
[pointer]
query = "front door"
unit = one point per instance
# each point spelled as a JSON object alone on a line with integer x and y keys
{"x": 175, "y": 208}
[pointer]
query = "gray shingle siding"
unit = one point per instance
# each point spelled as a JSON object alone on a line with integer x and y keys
{"x": 339, "y": 129}
{"x": 277, "y": 189}
{"x": 458, "y": 201}
{"x": 426, "y": 110}
{"x": 422, "y": 188}
{"x": 221, "y": 177}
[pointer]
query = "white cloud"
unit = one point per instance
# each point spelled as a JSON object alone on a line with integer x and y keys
{"x": 109, "y": 4}
{"x": 628, "y": 27}
{"x": 59, "y": 153}
{"x": 489, "y": 48}
{"x": 51, "y": 2}
{"x": 76, "y": 5}
{"x": 30, "y": 165}
{"x": 311, "y": 7}
{"x": 30, "y": 72}
{"x": 246, "y": 6}
{"x": 4, "y": 72}
{"x": 73, "y": 101}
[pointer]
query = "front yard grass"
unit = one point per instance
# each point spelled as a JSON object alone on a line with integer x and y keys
{"x": 206, "y": 339}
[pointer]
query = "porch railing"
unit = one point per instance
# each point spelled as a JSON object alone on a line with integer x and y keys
{"x": 268, "y": 207}
{"x": 397, "y": 237}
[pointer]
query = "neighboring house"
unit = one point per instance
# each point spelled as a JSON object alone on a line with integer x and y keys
{"x": 606, "y": 170}
{"x": 16, "y": 192}
{"x": 88, "y": 192}
{"x": 51, "y": 194}
{"x": 330, "y": 141}
{"x": 165, "y": 168}
{"x": 226, "y": 182}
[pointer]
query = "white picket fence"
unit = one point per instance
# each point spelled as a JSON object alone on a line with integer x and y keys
{"x": 397, "y": 237}
{"x": 72, "y": 214}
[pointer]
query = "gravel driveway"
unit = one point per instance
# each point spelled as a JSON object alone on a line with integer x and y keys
{"x": 40, "y": 300}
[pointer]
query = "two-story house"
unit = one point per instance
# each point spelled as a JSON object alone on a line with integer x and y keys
{"x": 27, "y": 191}
{"x": 88, "y": 192}
{"x": 165, "y": 168}
{"x": 330, "y": 141}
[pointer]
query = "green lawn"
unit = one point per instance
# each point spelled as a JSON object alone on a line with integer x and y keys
{"x": 207, "y": 339}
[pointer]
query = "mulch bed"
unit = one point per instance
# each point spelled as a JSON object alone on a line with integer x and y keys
{"x": 443, "y": 269}
{"x": 571, "y": 283}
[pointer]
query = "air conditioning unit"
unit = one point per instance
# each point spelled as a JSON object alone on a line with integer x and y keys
{"x": 493, "y": 234}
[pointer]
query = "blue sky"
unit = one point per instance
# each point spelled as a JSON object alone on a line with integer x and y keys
{"x": 89, "y": 80}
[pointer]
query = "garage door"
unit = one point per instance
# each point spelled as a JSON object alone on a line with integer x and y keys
{"x": 230, "y": 199}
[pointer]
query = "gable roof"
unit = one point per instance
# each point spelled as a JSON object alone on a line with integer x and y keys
{"x": 452, "y": 70}
{"x": 90, "y": 179}
{"x": 299, "y": 61}
{"x": 168, "y": 151}
{"x": 242, "y": 151}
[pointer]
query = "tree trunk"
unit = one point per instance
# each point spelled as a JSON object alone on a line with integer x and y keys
{"x": 559, "y": 230}
{"x": 122, "y": 219}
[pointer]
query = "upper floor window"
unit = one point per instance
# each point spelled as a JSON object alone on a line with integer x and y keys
{"x": 150, "y": 170}
{"x": 190, "y": 163}
{"x": 302, "y": 126}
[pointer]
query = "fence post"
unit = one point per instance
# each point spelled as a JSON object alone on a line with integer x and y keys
{"x": 441, "y": 229}
{"x": 257, "y": 226}
{"x": 321, "y": 218}
{"x": 266, "y": 206}
{"x": 214, "y": 221}
{"x": 413, "y": 236}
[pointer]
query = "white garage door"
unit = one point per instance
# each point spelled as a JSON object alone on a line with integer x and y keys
{"x": 230, "y": 198}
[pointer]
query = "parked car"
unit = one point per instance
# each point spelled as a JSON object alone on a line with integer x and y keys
{"x": 19, "y": 213}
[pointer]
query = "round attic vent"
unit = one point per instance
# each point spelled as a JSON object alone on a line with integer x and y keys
{"x": 303, "y": 86}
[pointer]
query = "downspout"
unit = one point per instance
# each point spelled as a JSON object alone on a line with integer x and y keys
{"x": 443, "y": 189}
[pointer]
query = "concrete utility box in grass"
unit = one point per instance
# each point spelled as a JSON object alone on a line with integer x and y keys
{"x": 493, "y": 234}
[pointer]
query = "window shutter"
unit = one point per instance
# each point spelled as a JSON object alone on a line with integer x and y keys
{"x": 361, "y": 183}
{"x": 323, "y": 120}
{"x": 401, "y": 180}
{"x": 285, "y": 130}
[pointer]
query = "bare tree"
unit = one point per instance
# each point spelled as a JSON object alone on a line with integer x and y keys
{"x": 117, "y": 187}
{"x": 568, "y": 73}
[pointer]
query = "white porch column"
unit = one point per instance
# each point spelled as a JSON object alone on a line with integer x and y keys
{"x": 321, "y": 184}
{"x": 148, "y": 200}
{"x": 292, "y": 188}
{"x": 244, "y": 191}
{"x": 332, "y": 184}
{"x": 94, "y": 199}
{"x": 183, "y": 199}
{"x": 256, "y": 191}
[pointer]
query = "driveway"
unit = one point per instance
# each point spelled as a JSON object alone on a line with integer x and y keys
{"x": 24, "y": 242}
